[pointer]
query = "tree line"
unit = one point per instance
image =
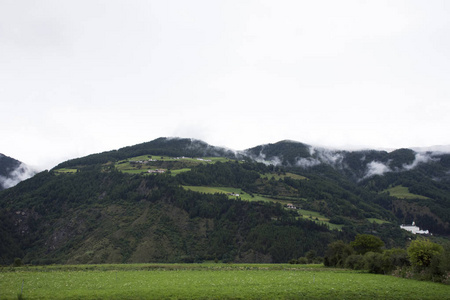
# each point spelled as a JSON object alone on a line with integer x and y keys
{"x": 422, "y": 259}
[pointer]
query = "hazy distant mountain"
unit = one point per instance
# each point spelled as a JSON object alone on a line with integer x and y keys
{"x": 182, "y": 200}
{"x": 12, "y": 172}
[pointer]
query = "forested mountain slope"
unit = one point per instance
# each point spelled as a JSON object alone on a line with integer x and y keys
{"x": 168, "y": 200}
{"x": 12, "y": 172}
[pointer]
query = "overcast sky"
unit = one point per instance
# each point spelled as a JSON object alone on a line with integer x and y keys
{"x": 80, "y": 77}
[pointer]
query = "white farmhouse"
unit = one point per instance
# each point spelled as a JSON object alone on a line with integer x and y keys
{"x": 414, "y": 229}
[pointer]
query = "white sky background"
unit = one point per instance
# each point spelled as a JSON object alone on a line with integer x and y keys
{"x": 80, "y": 77}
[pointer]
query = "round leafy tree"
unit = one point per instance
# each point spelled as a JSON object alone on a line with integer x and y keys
{"x": 422, "y": 251}
{"x": 364, "y": 243}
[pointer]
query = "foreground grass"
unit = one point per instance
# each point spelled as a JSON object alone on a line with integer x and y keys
{"x": 209, "y": 281}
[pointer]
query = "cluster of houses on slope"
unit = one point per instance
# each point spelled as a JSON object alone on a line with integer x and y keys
{"x": 202, "y": 159}
{"x": 414, "y": 229}
{"x": 142, "y": 161}
{"x": 151, "y": 159}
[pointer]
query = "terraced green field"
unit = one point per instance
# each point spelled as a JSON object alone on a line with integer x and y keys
{"x": 209, "y": 281}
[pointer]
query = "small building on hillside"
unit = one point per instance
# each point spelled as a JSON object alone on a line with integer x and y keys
{"x": 233, "y": 194}
{"x": 414, "y": 229}
{"x": 157, "y": 171}
{"x": 291, "y": 206}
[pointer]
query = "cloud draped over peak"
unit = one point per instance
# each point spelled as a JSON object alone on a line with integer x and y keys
{"x": 17, "y": 175}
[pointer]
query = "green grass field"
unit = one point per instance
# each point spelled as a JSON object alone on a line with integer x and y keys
{"x": 209, "y": 281}
{"x": 65, "y": 170}
{"x": 377, "y": 221}
{"x": 129, "y": 165}
{"x": 225, "y": 190}
{"x": 402, "y": 192}
{"x": 305, "y": 214}
{"x": 318, "y": 218}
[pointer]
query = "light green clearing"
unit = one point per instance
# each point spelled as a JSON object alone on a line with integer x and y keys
{"x": 220, "y": 282}
{"x": 281, "y": 176}
{"x": 176, "y": 172}
{"x": 226, "y": 190}
{"x": 65, "y": 170}
{"x": 242, "y": 195}
{"x": 127, "y": 165}
{"x": 138, "y": 171}
{"x": 402, "y": 192}
{"x": 312, "y": 215}
{"x": 377, "y": 221}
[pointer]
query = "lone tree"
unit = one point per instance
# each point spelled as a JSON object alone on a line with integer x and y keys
{"x": 364, "y": 243}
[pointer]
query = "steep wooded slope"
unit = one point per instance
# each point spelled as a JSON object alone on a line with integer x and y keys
{"x": 95, "y": 213}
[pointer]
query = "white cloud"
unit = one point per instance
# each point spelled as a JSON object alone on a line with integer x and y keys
{"x": 21, "y": 173}
{"x": 419, "y": 158}
{"x": 376, "y": 168}
{"x": 307, "y": 162}
{"x": 85, "y": 76}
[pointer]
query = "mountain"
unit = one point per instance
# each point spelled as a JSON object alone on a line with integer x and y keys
{"x": 12, "y": 172}
{"x": 182, "y": 200}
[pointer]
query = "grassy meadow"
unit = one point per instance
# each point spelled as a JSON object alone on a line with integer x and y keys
{"x": 318, "y": 218}
{"x": 208, "y": 281}
{"x": 226, "y": 190}
{"x": 402, "y": 192}
{"x": 184, "y": 163}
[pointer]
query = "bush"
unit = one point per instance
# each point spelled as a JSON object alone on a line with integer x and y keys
{"x": 364, "y": 243}
{"x": 302, "y": 260}
{"x": 421, "y": 252}
{"x": 374, "y": 262}
{"x": 17, "y": 262}
{"x": 311, "y": 255}
{"x": 355, "y": 262}
{"x": 394, "y": 259}
{"x": 336, "y": 254}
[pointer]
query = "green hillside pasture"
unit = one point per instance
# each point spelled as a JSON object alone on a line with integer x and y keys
{"x": 377, "y": 221}
{"x": 402, "y": 192}
{"x": 243, "y": 195}
{"x": 126, "y": 166}
{"x": 282, "y": 176}
{"x": 210, "y": 160}
{"x": 176, "y": 172}
{"x": 318, "y": 218}
{"x": 212, "y": 282}
{"x": 65, "y": 170}
{"x": 226, "y": 190}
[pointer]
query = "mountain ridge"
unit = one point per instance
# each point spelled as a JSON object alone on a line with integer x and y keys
{"x": 12, "y": 171}
{"x": 269, "y": 203}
